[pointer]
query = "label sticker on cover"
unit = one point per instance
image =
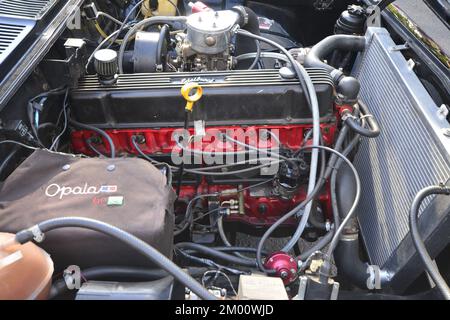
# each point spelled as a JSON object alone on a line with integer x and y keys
{"x": 114, "y": 201}
{"x": 199, "y": 127}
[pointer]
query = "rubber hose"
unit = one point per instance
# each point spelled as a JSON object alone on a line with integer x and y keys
{"x": 80, "y": 125}
{"x": 311, "y": 97}
{"x": 319, "y": 245}
{"x": 314, "y": 221}
{"x": 239, "y": 249}
{"x": 357, "y": 295}
{"x": 257, "y": 57}
{"x": 325, "y": 47}
{"x": 109, "y": 272}
{"x": 252, "y": 26}
{"x": 224, "y": 238}
{"x": 348, "y": 262}
{"x": 325, "y": 240}
{"x": 308, "y": 198}
{"x": 216, "y": 254}
{"x": 323, "y": 176}
{"x": 374, "y": 129}
{"x": 147, "y": 250}
{"x": 418, "y": 242}
{"x": 8, "y": 158}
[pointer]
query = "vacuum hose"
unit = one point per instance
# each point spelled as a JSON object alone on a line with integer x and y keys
{"x": 147, "y": 250}
{"x": 84, "y": 126}
{"x": 217, "y": 254}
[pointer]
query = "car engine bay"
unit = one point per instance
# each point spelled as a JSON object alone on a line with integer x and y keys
{"x": 232, "y": 150}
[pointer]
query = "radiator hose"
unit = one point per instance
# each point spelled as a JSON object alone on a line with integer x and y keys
{"x": 346, "y": 86}
{"x": 347, "y": 251}
{"x": 348, "y": 262}
{"x": 325, "y": 47}
{"x": 144, "y": 248}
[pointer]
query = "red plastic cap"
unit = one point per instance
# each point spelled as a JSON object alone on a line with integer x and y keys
{"x": 199, "y": 6}
{"x": 284, "y": 265}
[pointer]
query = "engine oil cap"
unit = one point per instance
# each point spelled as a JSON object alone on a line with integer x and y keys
{"x": 191, "y": 92}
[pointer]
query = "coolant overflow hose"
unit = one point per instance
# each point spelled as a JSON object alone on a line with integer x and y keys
{"x": 147, "y": 250}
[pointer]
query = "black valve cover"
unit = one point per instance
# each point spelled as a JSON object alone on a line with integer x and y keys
{"x": 230, "y": 98}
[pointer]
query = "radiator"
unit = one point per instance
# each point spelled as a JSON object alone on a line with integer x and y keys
{"x": 412, "y": 152}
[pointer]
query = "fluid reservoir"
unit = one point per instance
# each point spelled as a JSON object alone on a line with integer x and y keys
{"x": 165, "y": 8}
{"x": 25, "y": 271}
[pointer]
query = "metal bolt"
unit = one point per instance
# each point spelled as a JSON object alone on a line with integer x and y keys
{"x": 66, "y": 167}
{"x": 210, "y": 41}
{"x": 287, "y": 73}
{"x": 446, "y": 132}
{"x": 111, "y": 167}
{"x": 443, "y": 111}
{"x": 284, "y": 274}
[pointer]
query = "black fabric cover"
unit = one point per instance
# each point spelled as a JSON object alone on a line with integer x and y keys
{"x": 146, "y": 210}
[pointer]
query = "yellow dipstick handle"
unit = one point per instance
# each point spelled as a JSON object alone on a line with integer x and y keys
{"x": 186, "y": 91}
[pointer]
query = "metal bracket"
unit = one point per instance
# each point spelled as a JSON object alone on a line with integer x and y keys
{"x": 374, "y": 16}
{"x": 401, "y": 47}
{"x": 323, "y": 4}
{"x": 302, "y": 288}
{"x": 335, "y": 291}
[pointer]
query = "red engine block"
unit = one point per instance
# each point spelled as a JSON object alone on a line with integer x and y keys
{"x": 259, "y": 209}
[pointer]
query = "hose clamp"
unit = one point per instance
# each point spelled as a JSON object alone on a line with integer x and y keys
{"x": 346, "y": 115}
{"x": 377, "y": 277}
{"x": 243, "y": 14}
{"x": 38, "y": 235}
